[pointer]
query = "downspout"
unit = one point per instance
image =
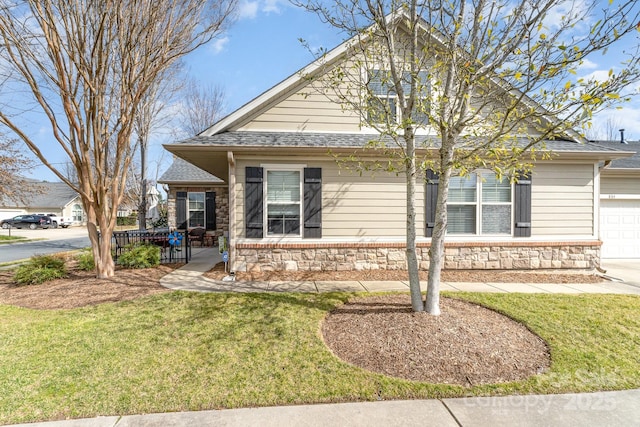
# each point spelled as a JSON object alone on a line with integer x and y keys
{"x": 232, "y": 210}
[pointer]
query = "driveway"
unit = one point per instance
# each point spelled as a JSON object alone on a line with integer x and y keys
{"x": 627, "y": 270}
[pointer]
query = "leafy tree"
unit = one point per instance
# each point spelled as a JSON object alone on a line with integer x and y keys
{"x": 87, "y": 66}
{"x": 457, "y": 86}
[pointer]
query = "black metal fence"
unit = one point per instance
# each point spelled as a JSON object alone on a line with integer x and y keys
{"x": 174, "y": 246}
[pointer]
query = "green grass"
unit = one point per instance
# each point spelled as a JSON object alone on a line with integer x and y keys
{"x": 188, "y": 351}
{"x": 11, "y": 239}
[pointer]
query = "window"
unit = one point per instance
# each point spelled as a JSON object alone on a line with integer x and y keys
{"x": 383, "y": 104}
{"x": 195, "y": 205}
{"x": 76, "y": 213}
{"x": 479, "y": 204}
{"x": 283, "y": 202}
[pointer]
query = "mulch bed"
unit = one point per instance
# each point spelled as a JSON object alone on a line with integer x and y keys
{"x": 466, "y": 345}
{"x": 81, "y": 288}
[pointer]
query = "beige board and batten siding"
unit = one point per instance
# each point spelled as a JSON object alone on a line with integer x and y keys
{"x": 353, "y": 206}
{"x": 562, "y": 199}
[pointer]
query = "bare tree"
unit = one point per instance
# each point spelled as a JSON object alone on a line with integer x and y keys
{"x": 87, "y": 65}
{"x": 486, "y": 82}
{"x": 608, "y": 130}
{"x": 153, "y": 113}
{"x": 13, "y": 165}
{"x": 201, "y": 107}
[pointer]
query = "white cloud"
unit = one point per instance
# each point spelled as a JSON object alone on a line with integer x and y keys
{"x": 588, "y": 65}
{"x": 271, "y": 6}
{"x": 557, "y": 16}
{"x": 248, "y": 9}
{"x": 597, "y": 75}
{"x": 219, "y": 44}
{"x": 624, "y": 118}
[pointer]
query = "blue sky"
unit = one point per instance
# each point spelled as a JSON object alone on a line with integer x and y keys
{"x": 261, "y": 49}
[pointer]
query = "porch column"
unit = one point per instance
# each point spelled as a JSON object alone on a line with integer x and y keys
{"x": 232, "y": 210}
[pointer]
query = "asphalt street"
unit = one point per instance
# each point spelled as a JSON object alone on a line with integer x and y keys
{"x": 53, "y": 241}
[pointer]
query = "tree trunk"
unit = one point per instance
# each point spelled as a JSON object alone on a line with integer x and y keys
{"x": 101, "y": 245}
{"x": 412, "y": 258}
{"x": 436, "y": 251}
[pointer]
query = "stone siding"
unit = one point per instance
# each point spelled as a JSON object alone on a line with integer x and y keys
{"x": 458, "y": 256}
{"x": 222, "y": 206}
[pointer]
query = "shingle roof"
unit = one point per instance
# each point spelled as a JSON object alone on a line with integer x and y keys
{"x": 51, "y": 196}
{"x": 342, "y": 140}
{"x": 183, "y": 171}
{"x": 628, "y": 162}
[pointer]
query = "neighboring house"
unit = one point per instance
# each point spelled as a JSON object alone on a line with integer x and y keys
{"x": 291, "y": 207}
{"x": 196, "y": 198}
{"x": 49, "y": 198}
{"x": 620, "y": 203}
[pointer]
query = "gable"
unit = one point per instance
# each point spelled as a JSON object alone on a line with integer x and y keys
{"x": 302, "y": 102}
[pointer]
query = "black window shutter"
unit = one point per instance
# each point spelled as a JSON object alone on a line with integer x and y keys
{"x": 181, "y": 210}
{"x": 430, "y": 202}
{"x": 312, "y": 203}
{"x": 522, "y": 206}
{"x": 210, "y": 210}
{"x": 253, "y": 196}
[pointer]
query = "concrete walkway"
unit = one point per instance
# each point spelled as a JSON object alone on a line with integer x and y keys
{"x": 616, "y": 408}
{"x": 190, "y": 278}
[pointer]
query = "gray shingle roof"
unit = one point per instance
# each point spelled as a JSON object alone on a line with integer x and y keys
{"x": 183, "y": 171}
{"x": 628, "y": 162}
{"x": 51, "y": 196}
{"x": 340, "y": 140}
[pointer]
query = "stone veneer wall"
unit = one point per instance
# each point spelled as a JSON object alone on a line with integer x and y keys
{"x": 222, "y": 206}
{"x": 380, "y": 256}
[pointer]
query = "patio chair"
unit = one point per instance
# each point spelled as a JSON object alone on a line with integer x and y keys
{"x": 122, "y": 240}
{"x": 197, "y": 235}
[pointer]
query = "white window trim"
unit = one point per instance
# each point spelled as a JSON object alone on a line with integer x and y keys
{"x": 265, "y": 200}
{"x": 479, "y": 204}
{"x": 204, "y": 209}
{"x": 419, "y": 129}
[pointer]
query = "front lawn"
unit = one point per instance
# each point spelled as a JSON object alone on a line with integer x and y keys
{"x": 187, "y": 351}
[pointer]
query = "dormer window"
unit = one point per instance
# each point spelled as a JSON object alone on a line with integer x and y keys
{"x": 383, "y": 103}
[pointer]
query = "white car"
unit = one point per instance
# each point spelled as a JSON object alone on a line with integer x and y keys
{"x": 58, "y": 221}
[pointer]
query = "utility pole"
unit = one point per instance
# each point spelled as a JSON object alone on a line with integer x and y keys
{"x": 142, "y": 209}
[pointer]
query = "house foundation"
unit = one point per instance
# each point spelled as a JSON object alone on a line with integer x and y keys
{"x": 392, "y": 256}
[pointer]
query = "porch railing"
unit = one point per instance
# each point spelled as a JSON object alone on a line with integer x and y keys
{"x": 173, "y": 249}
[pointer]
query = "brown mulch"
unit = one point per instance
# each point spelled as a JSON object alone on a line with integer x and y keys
{"x": 466, "y": 345}
{"x": 82, "y": 288}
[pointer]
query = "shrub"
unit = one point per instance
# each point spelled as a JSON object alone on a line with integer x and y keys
{"x": 40, "y": 269}
{"x": 126, "y": 220}
{"x": 85, "y": 260}
{"x": 140, "y": 256}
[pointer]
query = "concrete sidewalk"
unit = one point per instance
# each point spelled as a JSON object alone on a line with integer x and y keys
{"x": 190, "y": 278}
{"x": 617, "y": 409}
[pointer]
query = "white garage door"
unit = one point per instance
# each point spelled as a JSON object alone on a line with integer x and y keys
{"x": 620, "y": 228}
{"x": 8, "y": 213}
